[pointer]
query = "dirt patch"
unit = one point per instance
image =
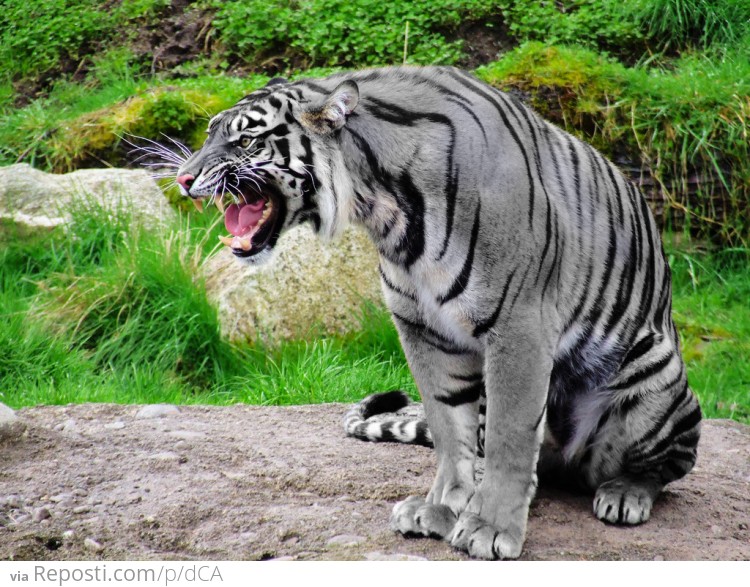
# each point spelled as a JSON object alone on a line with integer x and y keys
{"x": 484, "y": 41}
{"x": 179, "y": 34}
{"x": 115, "y": 483}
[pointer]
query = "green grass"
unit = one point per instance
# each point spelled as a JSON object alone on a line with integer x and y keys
{"x": 107, "y": 312}
{"x": 679, "y": 24}
{"x": 711, "y": 311}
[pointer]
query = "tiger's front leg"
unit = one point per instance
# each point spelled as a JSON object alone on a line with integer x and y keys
{"x": 449, "y": 378}
{"x": 517, "y": 371}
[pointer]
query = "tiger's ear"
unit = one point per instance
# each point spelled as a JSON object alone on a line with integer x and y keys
{"x": 335, "y": 110}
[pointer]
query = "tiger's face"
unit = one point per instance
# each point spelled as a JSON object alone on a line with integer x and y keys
{"x": 260, "y": 162}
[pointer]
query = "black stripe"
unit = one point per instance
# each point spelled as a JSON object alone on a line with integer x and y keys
{"x": 306, "y": 83}
{"x": 629, "y": 403}
{"x": 413, "y": 240}
{"x": 393, "y": 287}
{"x": 467, "y": 395}
{"x": 454, "y": 98}
{"x": 634, "y": 195}
{"x": 471, "y": 113}
{"x": 623, "y": 296}
{"x": 618, "y": 195}
{"x": 649, "y": 280}
{"x": 419, "y": 327}
{"x": 310, "y": 180}
{"x": 665, "y": 417}
{"x": 644, "y": 374}
{"x": 280, "y": 130}
{"x": 462, "y": 281}
{"x": 447, "y": 348}
{"x": 253, "y": 123}
{"x": 688, "y": 422}
{"x": 595, "y": 313}
{"x": 394, "y": 114}
{"x": 639, "y": 349}
{"x": 470, "y": 378}
{"x": 519, "y": 288}
{"x": 586, "y": 282}
{"x": 451, "y": 191}
{"x": 550, "y": 220}
{"x": 283, "y": 147}
{"x": 485, "y": 325}
{"x": 432, "y": 337}
{"x": 685, "y": 424}
{"x": 554, "y": 268}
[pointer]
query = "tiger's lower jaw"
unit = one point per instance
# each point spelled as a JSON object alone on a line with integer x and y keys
{"x": 254, "y": 221}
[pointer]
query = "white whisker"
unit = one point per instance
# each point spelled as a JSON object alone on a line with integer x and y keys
{"x": 181, "y": 146}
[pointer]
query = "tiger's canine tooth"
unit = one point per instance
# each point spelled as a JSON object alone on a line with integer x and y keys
{"x": 226, "y": 240}
{"x": 198, "y": 205}
{"x": 246, "y": 244}
{"x": 220, "y": 204}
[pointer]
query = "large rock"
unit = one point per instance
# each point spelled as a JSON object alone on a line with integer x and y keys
{"x": 33, "y": 199}
{"x": 309, "y": 286}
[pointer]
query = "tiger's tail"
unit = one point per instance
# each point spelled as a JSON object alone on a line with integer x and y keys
{"x": 402, "y": 428}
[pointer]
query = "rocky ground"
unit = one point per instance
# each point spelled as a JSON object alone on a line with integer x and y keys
{"x": 159, "y": 482}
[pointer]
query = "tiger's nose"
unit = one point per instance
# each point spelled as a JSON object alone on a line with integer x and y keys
{"x": 186, "y": 181}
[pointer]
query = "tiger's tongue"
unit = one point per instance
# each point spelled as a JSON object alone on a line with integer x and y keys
{"x": 239, "y": 219}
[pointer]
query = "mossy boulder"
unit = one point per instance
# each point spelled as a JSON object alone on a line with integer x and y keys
{"x": 309, "y": 288}
{"x": 32, "y": 200}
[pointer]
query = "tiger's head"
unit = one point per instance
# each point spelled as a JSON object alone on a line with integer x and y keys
{"x": 266, "y": 164}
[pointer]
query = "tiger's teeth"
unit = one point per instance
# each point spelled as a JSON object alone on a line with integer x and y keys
{"x": 198, "y": 205}
{"x": 226, "y": 241}
{"x": 246, "y": 244}
{"x": 220, "y": 204}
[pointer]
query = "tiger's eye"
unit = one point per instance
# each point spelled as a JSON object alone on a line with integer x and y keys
{"x": 245, "y": 142}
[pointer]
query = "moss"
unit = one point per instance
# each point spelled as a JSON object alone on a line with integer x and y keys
{"x": 570, "y": 86}
{"x": 177, "y": 112}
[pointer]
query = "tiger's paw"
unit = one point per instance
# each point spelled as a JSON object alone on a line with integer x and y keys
{"x": 403, "y": 516}
{"x": 621, "y": 501}
{"x": 484, "y": 541}
{"x": 414, "y": 517}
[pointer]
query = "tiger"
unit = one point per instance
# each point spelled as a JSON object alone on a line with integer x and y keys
{"x": 524, "y": 273}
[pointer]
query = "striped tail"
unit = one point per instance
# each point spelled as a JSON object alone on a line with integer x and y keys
{"x": 399, "y": 427}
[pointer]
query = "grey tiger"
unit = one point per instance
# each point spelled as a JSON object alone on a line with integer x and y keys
{"x": 524, "y": 273}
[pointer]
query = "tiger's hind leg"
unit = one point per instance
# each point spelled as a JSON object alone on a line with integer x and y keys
{"x": 645, "y": 440}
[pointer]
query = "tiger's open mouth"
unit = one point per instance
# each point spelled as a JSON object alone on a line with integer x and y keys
{"x": 253, "y": 222}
